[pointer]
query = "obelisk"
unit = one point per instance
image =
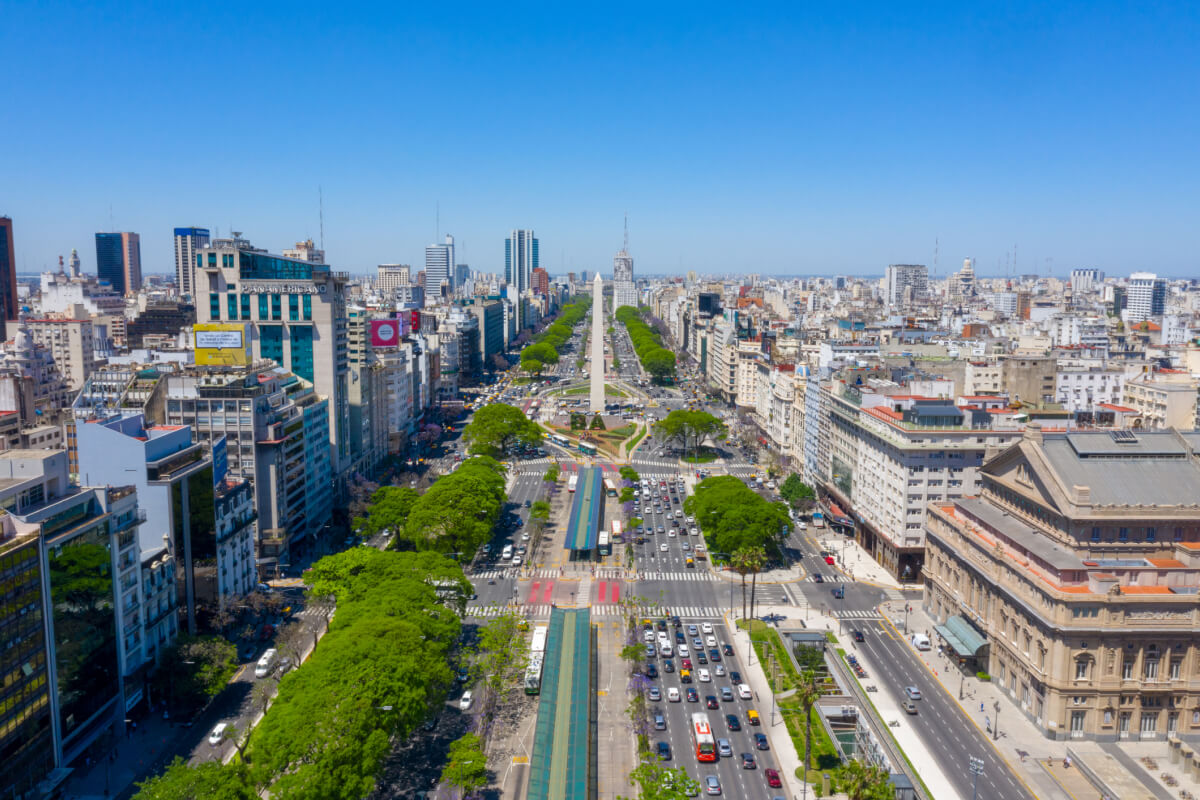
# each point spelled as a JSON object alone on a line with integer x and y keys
{"x": 598, "y": 345}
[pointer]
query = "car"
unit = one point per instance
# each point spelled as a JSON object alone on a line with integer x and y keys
{"x": 648, "y": 635}
{"x": 692, "y": 695}
{"x": 711, "y": 641}
{"x": 697, "y": 642}
{"x": 655, "y": 693}
{"x": 684, "y": 652}
{"x": 651, "y": 652}
{"x": 714, "y": 654}
{"x": 913, "y": 692}
{"x": 661, "y": 625}
{"x": 686, "y": 663}
{"x": 668, "y": 665}
{"x": 723, "y": 748}
{"x": 516, "y": 560}
{"x": 701, "y": 658}
{"x": 760, "y": 742}
{"x": 735, "y": 676}
{"x": 704, "y": 676}
{"x": 712, "y": 785}
{"x": 707, "y": 627}
{"x": 733, "y": 722}
{"x": 818, "y": 577}
{"x": 685, "y": 676}
{"x": 675, "y": 622}
{"x": 651, "y": 670}
{"x": 679, "y": 638}
{"x": 858, "y": 635}
{"x": 710, "y": 700}
{"x": 664, "y": 751}
{"x": 748, "y": 761}
{"x": 487, "y": 548}
{"x": 662, "y": 547}
{"x": 525, "y": 536}
{"x": 685, "y": 547}
{"x": 909, "y": 706}
{"x": 660, "y": 722}
{"x": 693, "y": 630}
{"x": 726, "y": 694}
{"x": 727, "y": 649}
{"x": 217, "y": 736}
{"x": 464, "y": 703}
{"x": 773, "y": 778}
{"x": 744, "y": 691}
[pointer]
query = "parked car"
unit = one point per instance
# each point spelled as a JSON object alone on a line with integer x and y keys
{"x": 465, "y": 702}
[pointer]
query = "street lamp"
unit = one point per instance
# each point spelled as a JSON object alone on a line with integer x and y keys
{"x": 996, "y": 727}
{"x": 460, "y": 775}
{"x": 976, "y": 767}
{"x": 907, "y": 608}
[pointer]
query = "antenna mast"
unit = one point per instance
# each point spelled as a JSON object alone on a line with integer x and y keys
{"x": 626, "y": 247}
{"x": 321, "y": 213}
{"x": 935, "y": 257}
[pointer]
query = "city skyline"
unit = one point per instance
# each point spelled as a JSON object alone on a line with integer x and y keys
{"x": 876, "y": 135}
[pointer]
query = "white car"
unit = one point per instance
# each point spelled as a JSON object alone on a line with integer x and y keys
{"x": 467, "y": 699}
{"x": 672, "y": 695}
{"x": 683, "y": 651}
{"x": 703, "y": 676}
{"x": 707, "y": 627}
{"x": 711, "y": 641}
{"x": 516, "y": 562}
{"x": 671, "y": 533}
{"x": 525, "y": 536}
{"x": 663, "y": 547}
{"x": 648, "y": 636}
{"x": 218, "y": 733}
{"x": 691, "y": 520}
{"x": 695, "y": 532}
{"x": 744, "y": 691}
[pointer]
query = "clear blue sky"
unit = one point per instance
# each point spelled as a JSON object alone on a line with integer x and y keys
{"x": 801, "y": 138}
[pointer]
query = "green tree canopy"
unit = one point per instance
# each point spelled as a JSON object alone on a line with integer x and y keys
{"x": 387, "y": 510}
{"x": 466, "y": 767}
{"x": 497, "y": 426}
{"x": 733, "y": 517}
{"x": 690, "y": 428}
{"x": 457, "y": 514}
{"x": 798, "y": 493}
{"x": 211, "y": 780}
{"x": 647, "y": 343}
{"x": 658, "y": 782}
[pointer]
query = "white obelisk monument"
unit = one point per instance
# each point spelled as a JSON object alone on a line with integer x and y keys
{"x": 598, "y": 345}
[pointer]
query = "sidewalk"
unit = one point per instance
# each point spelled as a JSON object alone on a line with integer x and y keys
{"x": 853, "y": 559}
{"x": 136, "y": 754}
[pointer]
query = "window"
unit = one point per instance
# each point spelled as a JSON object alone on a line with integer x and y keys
{"x": 231, "y": 302}
{"x": 1127, "y": 670}
{"x": 1151, "y": 669}
{"x": 1174, "y": 669}
{"x": 1095, "y": 534}
{"x": 245, "y": 306}
{"x": 1179, "y": 534}
{"x": 307, "y": 305}
{"x": 262, "y": 306}
{"x": 214, "y": 306}
{"x": 1123, "y": 534}
{"x": 293, "y": 307}
{"x": 276, "y": 307}
{"x": 212, "y": 259}
{"x": 1081, "y": 670}
{"x": 271, "y": 342}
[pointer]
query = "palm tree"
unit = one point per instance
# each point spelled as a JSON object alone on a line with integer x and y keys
{"x": 862, "y": 782}
{"x": 740, "y": 563}
{"x": 756, "y": 559}
{"x": 807, "y": 693}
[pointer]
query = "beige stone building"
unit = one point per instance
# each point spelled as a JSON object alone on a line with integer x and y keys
{"x": 1162, "y": 400}
{"x": 71, "y": 342}
{"x": 1072, "y": 579}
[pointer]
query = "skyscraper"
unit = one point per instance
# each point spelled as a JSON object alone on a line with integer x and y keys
{"x": 520, "y": 259}
{"x": 624, "y": 290}
{"x": 1147, "y": 296}
{"x": 187, "y": 242}
{"x": 439, "y": 261}
{"x": 8, "y": 277}
{"x": 119, "y": 261}
{"x": 906, "y": 276}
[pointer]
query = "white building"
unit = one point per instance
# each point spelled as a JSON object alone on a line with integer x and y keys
{"x": 187, "y": 242}
{"x": 439, "y": 261}
{"x": 906, "y": 282}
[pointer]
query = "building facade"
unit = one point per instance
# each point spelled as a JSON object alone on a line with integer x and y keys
{"x": 8, "y": 277}
{"x": 119, "y": 261}
{"x": 187, "y": 242}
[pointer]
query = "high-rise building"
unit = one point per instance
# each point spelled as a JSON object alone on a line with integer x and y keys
{"x": 294, "y": 314}
{"x": 1086, "y": 280}
{"x": 540, "y": 281}
{"x": 1147, "y": 296}
{"x": 391, "y": 277}
{"x": 462, "y": 274}
{"x": 520, "y": 259}
{"x": 624, "y": 290}
{"x": 187, "y": 242}
{"x": 119, "y": 261}
{"x": 913, "y": 277}
{"x": 8, "y": 277}
{"x": 439, "y": 259}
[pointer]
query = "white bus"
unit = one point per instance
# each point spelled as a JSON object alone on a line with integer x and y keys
{"x": 560, "y": 440}
{"x": 537, "y": 654}
{"x": 572, "y": 483}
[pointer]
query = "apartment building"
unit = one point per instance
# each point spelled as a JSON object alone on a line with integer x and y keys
{"x": 1162, "y": 400}
{"x": 71, "y": 343}
{"x": 1072, "y": 580}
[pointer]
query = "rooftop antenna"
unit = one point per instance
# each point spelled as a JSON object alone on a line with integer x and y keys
{"x": 626, "y": 247}
{"x": 437, "y": 224}
{"x": 935, "y": 257}
{"x": 321, "y": 213}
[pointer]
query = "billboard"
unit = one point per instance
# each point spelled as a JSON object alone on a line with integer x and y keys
{"x": 220, "y": 459}
{"x": 385, "y": 332}
{"x": 221, "y": 344}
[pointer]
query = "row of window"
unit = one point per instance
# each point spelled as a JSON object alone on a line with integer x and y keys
{"x": 270, "y": 307}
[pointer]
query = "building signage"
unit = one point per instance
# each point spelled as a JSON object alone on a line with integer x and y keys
{"x": 221, "y": 344}
{"x": 218, "y": 339}
{"x": 275, "y": 287}
{"x": 385, "y": 332}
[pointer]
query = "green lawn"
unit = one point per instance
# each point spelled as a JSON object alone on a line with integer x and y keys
{"x": 706, "y": 455}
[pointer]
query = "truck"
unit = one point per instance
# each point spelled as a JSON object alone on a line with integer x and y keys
{"x": 818, "y": 519}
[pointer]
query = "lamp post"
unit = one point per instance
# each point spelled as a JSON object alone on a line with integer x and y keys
{"x": 976, "y": 768}
{"x": 907, "y": 608}
{"x": 996, "y": 727}
{"x": 460, "y": 775}
{"x": 962, "y": 676}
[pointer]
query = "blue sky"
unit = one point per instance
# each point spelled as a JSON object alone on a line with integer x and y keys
{"x": 797, "y": 138}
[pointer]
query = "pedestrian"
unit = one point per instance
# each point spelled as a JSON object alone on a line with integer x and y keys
{"x": 1066, "y": 762}
{"x": 980, "y": 706}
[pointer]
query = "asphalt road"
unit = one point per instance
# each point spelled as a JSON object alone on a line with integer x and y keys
{"x": 735, "y": 781}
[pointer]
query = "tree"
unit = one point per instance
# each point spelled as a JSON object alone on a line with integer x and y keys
{"x": 597, "y": 423}
{"x": 500, "y": 661}
{"x": 388, "y": 510}
{"x": 690, "y": 428}
{"x": 755, "y": 560}
{"x": 194, "y": 670}
{"x": 798, "y": 494}
{"x": 629, "y": 474}
{"x": 499, "y": 362}
{"x": 495, "y": 427}
{"x": 457, "y": 514}
{"x": 657, "y": 782}
{"x": 740, "y": 563}
{"x": 552, "y": 474}
{"x": 210, "y": 780}
{"x": 466, "y": 767}
{"x": 660, "y": 364}
{"x": 807, "y": 694}
{"x": 866, "y": 782}
{"x": 732, "y": 517}
{"x": 532, "y": 365}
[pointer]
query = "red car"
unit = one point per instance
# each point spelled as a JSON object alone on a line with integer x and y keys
{"x": 773, "y": 778}
{"x": 829, "y": 560}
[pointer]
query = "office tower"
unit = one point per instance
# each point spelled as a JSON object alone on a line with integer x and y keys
{"x": 1147, "y": 296}
{"x": 187, "y": 242}
{"x": 8, "y": 277}
{"x": 390, "y": 277}
{"x": 520, "y": 259}
{"x": 540, "y": 281}
{"x": 119, "y": 261}
{"x": 1086, "y": 280}
{"x": 624, "y": 290}
{"x": 306, "y": 251}
{"x": 462, "y": 274}
{"x": 906, "y": 276}
{"x": 291, "y": 312}
{"x": 438, "y": 261}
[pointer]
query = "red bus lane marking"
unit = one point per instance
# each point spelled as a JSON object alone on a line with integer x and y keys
{"x": 547, "y": 595}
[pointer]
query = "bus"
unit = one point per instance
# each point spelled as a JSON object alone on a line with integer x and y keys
{"x": 617, "y": 531}
{"x": 587, "y": 449}
{"x": 818, "y": 519}
{"x": 537, "y": 654}
{"x": 572, "y": 482}
{"x": 610, "y": 487}
{"x": 560, "y": 440}
{"x": 604, "y": 543}
{"x": 702, "y": 738}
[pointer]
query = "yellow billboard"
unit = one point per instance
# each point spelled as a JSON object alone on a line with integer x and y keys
{"x": 222, "y": 344}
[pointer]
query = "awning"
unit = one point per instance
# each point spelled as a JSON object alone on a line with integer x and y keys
{"x": 962, "y": 637}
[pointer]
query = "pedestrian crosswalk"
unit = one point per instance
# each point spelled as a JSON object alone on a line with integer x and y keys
{"x": 542, "y": 611}
{"x": 605, "y": 573}
{"x": 848, "y": 614}
{"x": 827, "y": 577}
{"x": 688, "y": 575}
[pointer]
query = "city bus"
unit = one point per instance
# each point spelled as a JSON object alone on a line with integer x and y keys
{"x": 702, "y": 738}
{"x": 560, "y": 440}
{"x": 818, "y": 519}
{"x": 572, "y": 482}
{"x": 604, "y": 543}
{"x": 587, "y": 449}
{"x": 537, "y": 654}
{"x": 610, "y": 487}
{"x": 618, "y": 533}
